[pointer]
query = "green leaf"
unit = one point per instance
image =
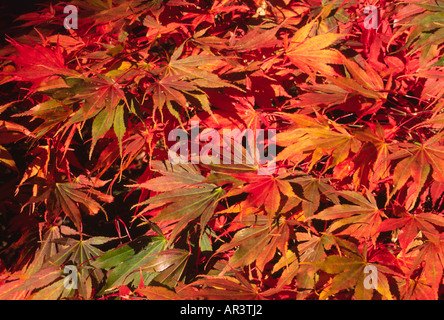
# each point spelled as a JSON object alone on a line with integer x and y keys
{"x": 118, "y": 255}
{"x": 439, "y": 63}
{"x": 78, "y": 252}
{"x": 119, "y": 125}
{"x": 101, "y": 124}
{"x": 121, "y": 274}
{"x": 336, "y": 264}
{"x": 205, "y": 241}
{"x": 193, "y": 199}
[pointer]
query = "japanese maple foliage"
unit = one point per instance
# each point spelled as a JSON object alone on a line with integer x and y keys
{"x": 86, "y": 179}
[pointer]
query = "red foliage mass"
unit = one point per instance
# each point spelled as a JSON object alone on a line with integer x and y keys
{"x": 359, "y": 179}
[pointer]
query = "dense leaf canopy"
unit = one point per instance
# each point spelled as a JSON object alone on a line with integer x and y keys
{"x": 352, "y": 89}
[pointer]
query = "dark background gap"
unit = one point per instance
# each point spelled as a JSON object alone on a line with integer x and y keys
{"x": 11, "y": 9}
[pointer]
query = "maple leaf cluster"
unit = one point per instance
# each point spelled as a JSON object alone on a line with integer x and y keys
{"x": 86, "y": 180}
